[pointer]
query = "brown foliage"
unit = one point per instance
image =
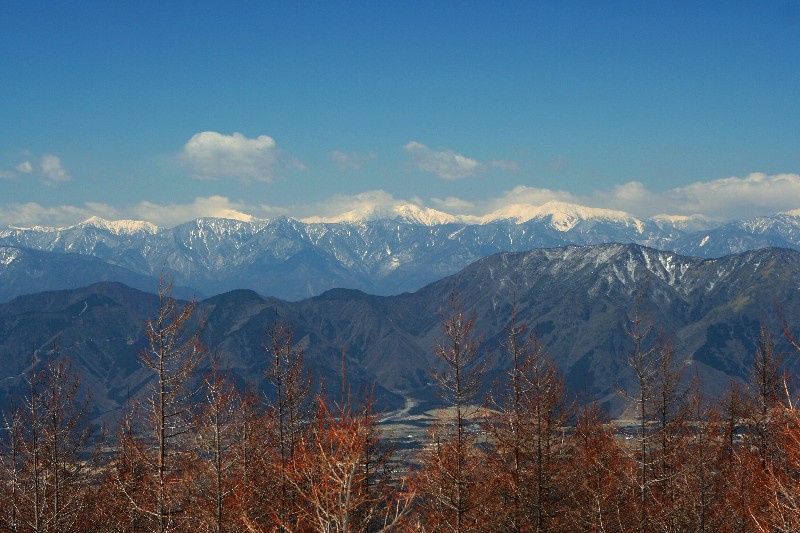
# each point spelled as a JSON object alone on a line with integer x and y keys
{"x": 215, "y": 459}
{"x": 525, "y": 427}
{"x": 155, "y": 442}
{"x": 46, "y": 466}
{"x": 451, "y": 477}
{"x": 338, "y": 480}
{"x": 597, "y": 496}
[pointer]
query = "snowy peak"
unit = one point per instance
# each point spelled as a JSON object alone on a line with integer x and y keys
{"x": 422, "y": 215}
{"x": 227, "y": 225}
{"x": 120, "y": 227}
{"x": 563, "y": 216}
{"x": 409, "y": 213}
{"x": 8, "y": 255}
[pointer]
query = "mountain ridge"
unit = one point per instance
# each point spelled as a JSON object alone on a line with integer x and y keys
{"x": 577, "y": 300}
{"x": 294, "y": 259}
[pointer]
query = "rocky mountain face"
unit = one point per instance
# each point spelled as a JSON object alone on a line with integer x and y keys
{"x": 379, "y": 253}
{"x": 577, "y": 299}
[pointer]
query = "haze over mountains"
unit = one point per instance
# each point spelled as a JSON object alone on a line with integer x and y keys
{"x": 379, "y": 252}
{"x": 577, "y": 299}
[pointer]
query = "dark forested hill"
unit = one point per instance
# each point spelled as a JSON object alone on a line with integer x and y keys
{"x": 578, "y": 300}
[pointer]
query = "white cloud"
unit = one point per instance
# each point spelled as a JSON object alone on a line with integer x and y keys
{"x": 522, "y": 194}
{"x": 49, "y": 169}
{"x": 163, "y": 215}
{"x": 33, "y": 214}
{"x": 453, "y": 205}
{"x": 168, "y": 215}
{"x": 735, "y": 197}
{"x": 350, "y": 160}
{"x": 450, "y": 166}
{"x": 209, "y": 155}
{"x": 632, "y": 197}
{"x": 447, "y": 165}
{"x": 365, "y": 202}
{"x": 721, "y": 199}
{"x": 52, "y": 170}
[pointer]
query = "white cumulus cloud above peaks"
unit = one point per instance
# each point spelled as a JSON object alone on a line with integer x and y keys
{"x": 522, "y": 194}
{"x": 165, "y": 215}
{"x": 172, "y": 214}
{"x": 52, "y": 170}
{"x": 210, "y": 155}
{"x": 344, "y": 206}
{"x": 720, "y": 199}
{"x": 48, "y": 169}
{"x": 724, "y": 199}
{"x": 454, "y": 205}
{"x": 34, "y": 214}
{"x": 733, "y": 197}
{"x": 448, "y": 165}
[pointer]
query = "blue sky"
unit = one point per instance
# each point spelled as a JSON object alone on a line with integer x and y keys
{"x": 166, "y": 111}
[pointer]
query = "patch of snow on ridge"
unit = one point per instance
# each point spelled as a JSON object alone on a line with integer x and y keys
{"x": 40, "y": 229}
{"x": 8, "y": 255}
{"x": 519, "y": 213}
{"x": 121, "y": 227}
{"x": 423, "y": 215}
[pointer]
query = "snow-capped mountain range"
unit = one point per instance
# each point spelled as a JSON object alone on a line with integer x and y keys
{"x": 381, "y": 251}
{"x": 563, "y": 216}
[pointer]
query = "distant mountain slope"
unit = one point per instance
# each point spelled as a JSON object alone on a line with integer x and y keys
{"x": 576, "y": 298}
{"x": 380, "y": 252}
{"x": 26, "y": 271}
{"x": 781, "y": 230}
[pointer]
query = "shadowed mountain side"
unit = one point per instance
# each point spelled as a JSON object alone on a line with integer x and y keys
{"x": 577, "y": 299}
{"x": 28, "y": 271}
{"x": 100, "y": 327}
